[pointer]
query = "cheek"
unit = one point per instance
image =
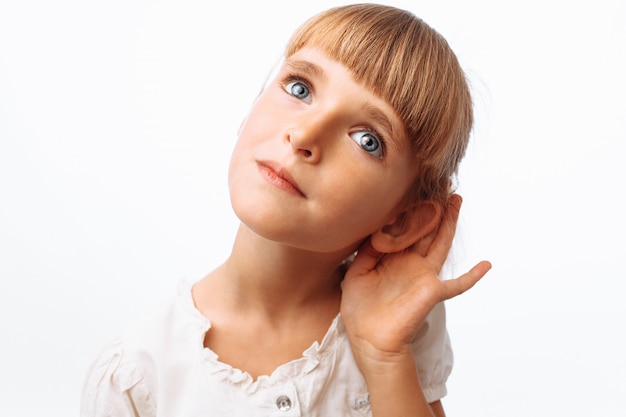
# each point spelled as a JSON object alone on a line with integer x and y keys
{"x": 237, "y": 156}
{"x": 252, "y": 133}
{"x": 259, "y": 128}
{"x": 362, "y": 205}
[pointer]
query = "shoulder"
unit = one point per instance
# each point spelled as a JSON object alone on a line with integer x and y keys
{"x": 125, "y": 373}
{"x": 117, "y": 382}
{"x": 170, "y": 327}
{"x": 433, "y": 330}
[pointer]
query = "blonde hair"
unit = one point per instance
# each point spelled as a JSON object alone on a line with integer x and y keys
{"x": 411, "y": 66}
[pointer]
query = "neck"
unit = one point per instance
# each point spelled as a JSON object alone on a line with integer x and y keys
{"x": 274, "y": 279}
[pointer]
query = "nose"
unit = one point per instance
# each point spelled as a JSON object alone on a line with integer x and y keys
{"x": 302, "y": 145}
{"x": 310, "y": 135}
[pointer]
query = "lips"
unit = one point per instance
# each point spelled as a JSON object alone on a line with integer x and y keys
{"x": 278, "y": 176}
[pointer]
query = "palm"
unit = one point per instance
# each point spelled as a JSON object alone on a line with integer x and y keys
{"x": 386, "y": 299}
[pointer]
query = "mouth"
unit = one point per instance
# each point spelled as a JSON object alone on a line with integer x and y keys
{"x": 278, "y": 176}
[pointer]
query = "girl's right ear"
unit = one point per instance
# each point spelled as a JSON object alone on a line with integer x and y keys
{"x": 408, "y": 228}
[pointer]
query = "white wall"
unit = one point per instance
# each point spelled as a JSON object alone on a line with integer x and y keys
{"x": 116, "y": 123}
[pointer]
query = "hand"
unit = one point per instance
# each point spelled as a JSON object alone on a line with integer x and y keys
{"x": 386, "y": 297}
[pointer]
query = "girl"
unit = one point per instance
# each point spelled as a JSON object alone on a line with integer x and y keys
{"x": 350, "y": 149}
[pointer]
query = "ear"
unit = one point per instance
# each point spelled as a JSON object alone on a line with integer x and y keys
{"x": 408, "y": 227}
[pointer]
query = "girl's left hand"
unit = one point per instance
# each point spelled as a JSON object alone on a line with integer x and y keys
{"x": 386, "y": 297}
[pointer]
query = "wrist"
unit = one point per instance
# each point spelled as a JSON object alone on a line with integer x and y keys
{"x": 375, "y": 363}
{"x": 392, "y": 381}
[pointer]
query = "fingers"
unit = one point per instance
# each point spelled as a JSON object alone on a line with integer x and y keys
{"x": 423, "y": 245}
{"x": 454, "y": 287}
{"x": 366, "y": 259}
{"x": 439, "y": 249}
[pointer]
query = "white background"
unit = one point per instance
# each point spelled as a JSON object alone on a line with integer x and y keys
{"x": 117, "y": 119}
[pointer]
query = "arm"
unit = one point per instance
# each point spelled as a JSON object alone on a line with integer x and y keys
{"x": 437, "y": 409}
{"x": 385, "y": 300}
{"x": 393, "y": 385}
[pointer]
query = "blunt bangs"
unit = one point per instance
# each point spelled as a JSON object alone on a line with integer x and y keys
{"x": 404, "y": 61}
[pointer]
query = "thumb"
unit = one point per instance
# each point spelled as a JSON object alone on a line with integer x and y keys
{"x": 457, "y": 286}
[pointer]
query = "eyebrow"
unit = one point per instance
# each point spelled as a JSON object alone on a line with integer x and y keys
{"x": 306, "y": 67}
{"x": 372, "y": 112}
{"x": 379, "y": 117}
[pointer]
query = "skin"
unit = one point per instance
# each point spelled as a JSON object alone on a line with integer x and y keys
{"x": 308, "y": 194}
{"x": 345, "y": 190}
{"x": 386, "y": 298}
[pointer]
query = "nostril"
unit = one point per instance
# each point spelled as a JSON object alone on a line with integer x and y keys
{"x": 307, "y": 153}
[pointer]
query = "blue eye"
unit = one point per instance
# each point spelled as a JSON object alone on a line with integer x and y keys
{"x": 369, "y": 142}
{"x": 299, "y": 90}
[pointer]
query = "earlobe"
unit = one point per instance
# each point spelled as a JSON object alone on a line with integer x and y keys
{"x": 408, "y": 227}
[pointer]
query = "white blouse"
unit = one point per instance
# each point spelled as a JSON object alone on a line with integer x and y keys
{"x": 160, "y": 367}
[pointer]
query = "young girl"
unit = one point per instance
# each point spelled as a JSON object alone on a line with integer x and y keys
{"x": 351, "y": 148}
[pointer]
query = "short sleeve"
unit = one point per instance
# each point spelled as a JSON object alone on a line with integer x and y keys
{"x": 116, "y": 386}
{"x": 433, "y": 354}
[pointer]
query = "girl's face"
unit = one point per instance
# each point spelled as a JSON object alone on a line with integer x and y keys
{"x": 321, "y": 162}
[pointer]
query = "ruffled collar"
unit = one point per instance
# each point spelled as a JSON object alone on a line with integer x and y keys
{"x": 296, "y": 368}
